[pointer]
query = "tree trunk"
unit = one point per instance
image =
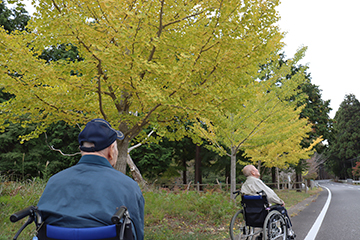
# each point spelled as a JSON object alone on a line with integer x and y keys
{"x": 227, "y": 174}
{"x": 277, "y": 178}
{"x": 198, "y": 178}
{"x": 123, "y": 155}
{"x": 298, "y": 182}
{"x": 259, "y": 167}
{"x": 233, "y": 173}
{"x": 273, "y": 175}
{"x": 125, "y": 159}
{"x": 135, "y": 172}
{"x": 184, "y": 171}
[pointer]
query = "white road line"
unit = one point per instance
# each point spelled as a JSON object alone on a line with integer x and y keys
{"x": 315, "y": 228}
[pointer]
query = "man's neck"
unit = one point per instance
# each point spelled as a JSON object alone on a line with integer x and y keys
{"x": 93, "y": 153}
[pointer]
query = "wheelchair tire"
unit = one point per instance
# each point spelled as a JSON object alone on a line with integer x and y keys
{"x": 275, "y": 226}
{"x": 238, "y": 229}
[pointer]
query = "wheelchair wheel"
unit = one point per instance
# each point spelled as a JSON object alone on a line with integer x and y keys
{"x": 275, "y": 226}
{"x": 238, "y": 229}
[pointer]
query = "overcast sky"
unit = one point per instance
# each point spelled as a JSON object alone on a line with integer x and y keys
{"x": 330, "y": 30}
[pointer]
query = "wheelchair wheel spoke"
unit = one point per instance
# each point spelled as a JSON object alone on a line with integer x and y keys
{"x": 275, "y": 227}
{"x": 238, "y": 229}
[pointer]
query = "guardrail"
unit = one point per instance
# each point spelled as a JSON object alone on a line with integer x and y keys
{"x": 350, "y": 181}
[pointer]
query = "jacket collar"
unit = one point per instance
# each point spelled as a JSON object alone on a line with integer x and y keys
{"x": 94, "y": 159}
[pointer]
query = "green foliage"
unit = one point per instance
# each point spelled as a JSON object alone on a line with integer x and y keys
{"x": 175, "y": 214}
{"x": 167, "y": 159}
{"x": 67, "y": 52}
{"x": 15, "y": 196}
{"x": 4, "y": 96}
{"x": 316, "y": 110}
{"x": 153, "y": 160}
{"x": 344, "y": 146}
{"x": 13, "y": 19}
{"x": 34, "y": 158}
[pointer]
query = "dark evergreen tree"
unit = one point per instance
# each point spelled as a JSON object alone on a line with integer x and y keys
{"x": 317, "y": 111}
{"x": 62, "y": 51}
{"x": 154, "y": 160}
{"x": 344, "y": 146}
{"x": 34, "y": 158}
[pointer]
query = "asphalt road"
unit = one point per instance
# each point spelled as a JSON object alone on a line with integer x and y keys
{"x": 340, "y": 221}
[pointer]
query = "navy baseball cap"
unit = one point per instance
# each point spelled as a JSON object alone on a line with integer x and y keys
{"x": 99, "y": 132}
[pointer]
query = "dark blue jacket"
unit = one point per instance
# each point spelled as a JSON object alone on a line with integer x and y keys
{"x": 87, "y": 195}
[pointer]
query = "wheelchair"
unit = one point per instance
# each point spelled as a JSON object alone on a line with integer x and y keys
{"x": 120, "y": 230}
{"x": 257, "y": 220}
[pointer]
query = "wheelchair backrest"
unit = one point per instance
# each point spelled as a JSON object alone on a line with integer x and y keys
{"x": 120, "y": 230}
{"x": 254, "y": 209}
{"x": 48, "y": 232}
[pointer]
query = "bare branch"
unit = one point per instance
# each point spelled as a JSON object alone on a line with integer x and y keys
{"x": 58, "y": 150}
{"x": 139, "y": 144}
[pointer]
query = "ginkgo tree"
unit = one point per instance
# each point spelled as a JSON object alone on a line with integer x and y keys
{"x": 265, "y": 123}
{"x": 143, "y": 62}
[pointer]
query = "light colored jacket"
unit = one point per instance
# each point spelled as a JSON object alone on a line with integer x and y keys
{"x": 253, "y": 185}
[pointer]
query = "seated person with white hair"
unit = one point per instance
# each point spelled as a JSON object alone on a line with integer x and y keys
{"x": 253, "y": 185}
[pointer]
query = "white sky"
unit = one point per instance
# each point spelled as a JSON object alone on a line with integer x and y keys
{"x": 330, "y": 30}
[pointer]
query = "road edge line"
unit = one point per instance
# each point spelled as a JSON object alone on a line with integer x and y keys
{"x": 315, "y": 228}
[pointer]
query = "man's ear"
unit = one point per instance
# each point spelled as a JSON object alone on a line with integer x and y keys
{"x": 108, "y": 152}
{"x": 111, "y": 149}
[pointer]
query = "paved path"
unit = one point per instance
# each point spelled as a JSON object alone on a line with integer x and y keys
{"x": 304, "y": 214}
{"x": 333, "y": 215}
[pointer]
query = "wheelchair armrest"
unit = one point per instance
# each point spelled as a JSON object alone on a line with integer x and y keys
{"x": 252, "y": 197}
{"x": 272, "y": 207}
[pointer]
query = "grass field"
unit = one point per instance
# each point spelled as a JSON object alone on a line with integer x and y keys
{"x": 181, "y": 215}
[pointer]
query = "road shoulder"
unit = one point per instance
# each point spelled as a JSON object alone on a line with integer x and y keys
{"x": 294, "y": 210}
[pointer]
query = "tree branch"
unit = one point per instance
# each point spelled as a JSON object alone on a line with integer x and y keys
{"x": 58, "y": 150}
{"x": 139, "y": 144}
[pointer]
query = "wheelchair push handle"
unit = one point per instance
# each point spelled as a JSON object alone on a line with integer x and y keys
{"x": 262, "y": 193}
{"x": 118, "y": 215}
{"x": 22, "y": 213}
{"x": 236, "y": 193}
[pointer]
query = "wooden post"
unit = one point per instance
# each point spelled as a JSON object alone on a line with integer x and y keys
{"x": 218, "y": 183}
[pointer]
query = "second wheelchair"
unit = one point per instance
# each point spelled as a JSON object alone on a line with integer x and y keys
{"x": 257, "y": 220}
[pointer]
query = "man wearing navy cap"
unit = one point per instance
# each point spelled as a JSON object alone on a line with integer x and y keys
{"x": 87, "y": 194}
